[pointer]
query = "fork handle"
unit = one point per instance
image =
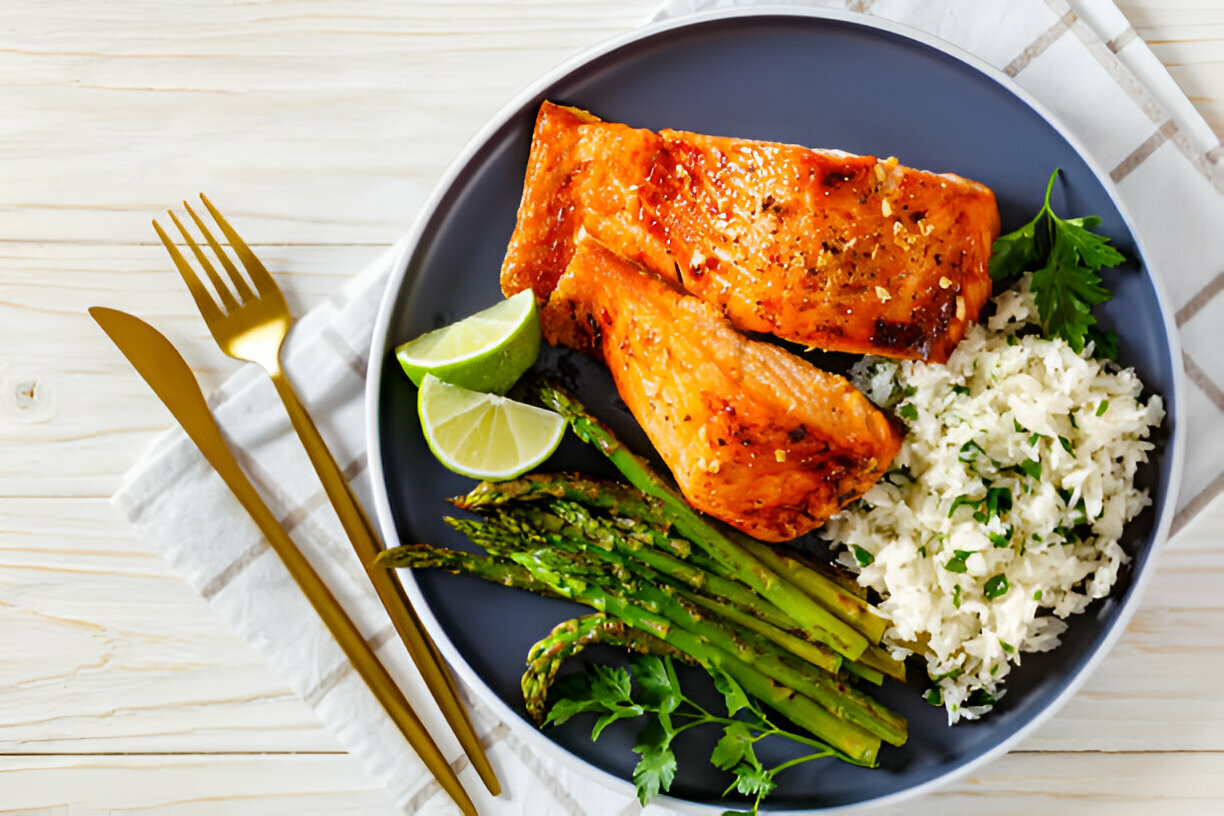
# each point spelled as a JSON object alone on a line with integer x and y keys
{"x": 421, "y": 648}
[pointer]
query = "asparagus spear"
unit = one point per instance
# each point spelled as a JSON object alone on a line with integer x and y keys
{"x": 533, "y": 571}
{"x": 571, "y": 637}
{"x": 847, "y": 606}
{"x": 652, "y": 565}
{"x": 615, "y": 497}
{"x": 563, "y": 555}
{"x": 795, "y": 602}
{"x": 696, "y": 570}
{"x": 457, "y": 562}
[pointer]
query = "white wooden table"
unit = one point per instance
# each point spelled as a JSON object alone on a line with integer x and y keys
{"x": 319, "y": 125}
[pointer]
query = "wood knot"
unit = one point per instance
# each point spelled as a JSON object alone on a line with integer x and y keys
{"x": 26, "y": 396}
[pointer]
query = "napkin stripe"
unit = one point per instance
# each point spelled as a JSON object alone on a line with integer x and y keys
{"x": 1039, "y": 45}
{"x": 1200, "y": 299}
{"x": 549, "y": 782}
{"x": 1197, "y": 504}
{"x": 358, "y": 362}
{"x": 1140, "y": 153}
{"x": 1203, "y": 380}
{"x": 431, "y": 789}
{"x": 289, "y": 521}
{"x": 1122, "y": 40}
{"x": 233, "y": 569}
{"x": 328, "y": 683}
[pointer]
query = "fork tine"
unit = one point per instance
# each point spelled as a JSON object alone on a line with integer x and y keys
{"x": 204, "y": 302}
{"x": 244, "y": 291}
{"x": 227, "y": 298}
{"x": 259, "y": 275}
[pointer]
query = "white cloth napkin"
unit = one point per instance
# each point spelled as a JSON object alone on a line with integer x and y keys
{"x": 1121, "y": 104}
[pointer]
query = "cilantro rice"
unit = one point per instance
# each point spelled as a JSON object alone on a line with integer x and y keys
{"x": 1002, "y": 513}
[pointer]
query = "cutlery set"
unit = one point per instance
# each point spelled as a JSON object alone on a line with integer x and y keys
{"x": 249, "y": 319}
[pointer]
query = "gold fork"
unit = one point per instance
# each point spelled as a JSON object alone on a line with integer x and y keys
{"x": 251, "y": 326}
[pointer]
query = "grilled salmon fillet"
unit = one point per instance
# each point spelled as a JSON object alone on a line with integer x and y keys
{"x": 820, "y": 247}
{"x": 754, "y": 435}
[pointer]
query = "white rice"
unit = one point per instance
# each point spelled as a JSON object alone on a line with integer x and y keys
{"x": 1007, "y": 396}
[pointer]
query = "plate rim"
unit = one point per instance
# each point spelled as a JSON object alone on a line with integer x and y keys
{"x": 534, "y": 738}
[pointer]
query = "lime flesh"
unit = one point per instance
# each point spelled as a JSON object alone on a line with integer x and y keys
{"x": 486, "y": 352}
{"x": 485, "y": 436}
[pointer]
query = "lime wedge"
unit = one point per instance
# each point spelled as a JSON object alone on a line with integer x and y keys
{"x": 483, "y": 435}
{"x": 487, "y": 352}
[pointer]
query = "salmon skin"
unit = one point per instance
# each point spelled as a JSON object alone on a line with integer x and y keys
{"x": 820, "y": 247}
{"x": 754, "y": 435}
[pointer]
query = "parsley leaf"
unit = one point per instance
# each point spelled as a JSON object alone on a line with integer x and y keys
{"x": 996, "y": 586}
{"x": 736, "y": 739}
{"x": 657, "y": 767}
{"x": 1015, "y": 252}
{"x": 660, "y": 691}
{"x": 754, "y": 780}
{"x": 651, "y": 690}
{"x": 1066, "y": 286}
{"x": 733, "y": 695}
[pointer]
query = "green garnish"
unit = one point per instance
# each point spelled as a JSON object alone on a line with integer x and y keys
{"x": 969, "y": 452}
{"x": 1066, "y": 445}
{"x": 862, "y": 556}
{"x": 1001, "y": 540}
{"x": 996, "y": 586}
{"x": 908, "y": 411}
{"x": 981, "y": 697}
{"x": 1037, "y": 595}
{"x": 1102, "y": 408}
{"x": 952, "y": 675}
{"x": 956, "y": 596}
{"x": 934, "y": 696}
{"x": 1065, "y": 285}
{"x": 653, "y": 692}
{"x": 998, "y": 500}
{"x": 1007, "y": 647}
{"x": 959, "y": 500}
{"x": 957, "y": 562}
{"x": 963, "y": 390}
{"x": 1031, "y": 468}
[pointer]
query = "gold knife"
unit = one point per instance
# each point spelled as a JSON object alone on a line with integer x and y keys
{"x": 163, "y": 368}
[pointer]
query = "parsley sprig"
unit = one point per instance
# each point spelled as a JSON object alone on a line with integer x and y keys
{"x": 652, "y": 691}
{"x": 1064, "y": 256}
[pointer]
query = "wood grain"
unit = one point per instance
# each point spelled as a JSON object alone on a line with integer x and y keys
{"x": 319, "y": 127}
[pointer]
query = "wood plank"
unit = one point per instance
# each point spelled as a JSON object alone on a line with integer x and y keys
{"x": 109, "y": 651}
{"x": 73, "y": 414}
{"x": 188, "y": 785}
{"x": 316, "y": 125}
{"x": 1021, "y": 783}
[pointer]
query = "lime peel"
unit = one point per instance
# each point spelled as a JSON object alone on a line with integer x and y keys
{"x": 487, "y": 351}
{"x": 485, "y": 436}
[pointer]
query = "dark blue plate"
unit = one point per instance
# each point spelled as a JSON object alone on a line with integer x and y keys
{"x": 820, "y": 80}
